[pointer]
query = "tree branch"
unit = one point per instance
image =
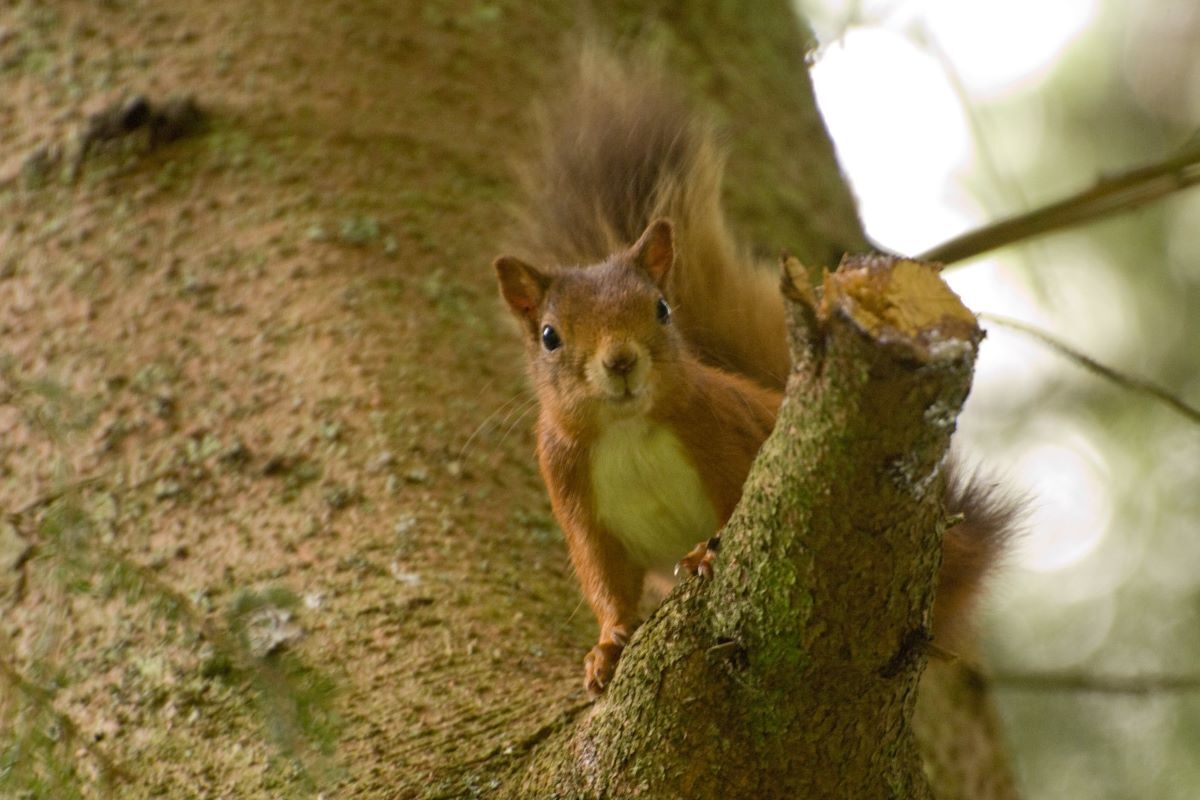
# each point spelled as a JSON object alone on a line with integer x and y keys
{"x": 1100, "y": 684}
{"x": 1130, "y": 382}
{"x": 1122, "y": 192}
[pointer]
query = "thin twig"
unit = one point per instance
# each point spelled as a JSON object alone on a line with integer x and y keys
{"x": 1008, "y": 183}
{"x": 1134, "y": 384}
{"x": 53, "y": 496}
{"x": 1100, "y": 684}
{"x": 164, "y": 590}
{"x": 1122, "y": 192}
{"x": 109, "y": 770}
{"x": 222, "y": 641}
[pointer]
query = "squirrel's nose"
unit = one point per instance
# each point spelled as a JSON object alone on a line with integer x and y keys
{"x": 621, "y": 362}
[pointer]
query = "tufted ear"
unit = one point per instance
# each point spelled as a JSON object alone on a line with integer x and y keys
{"x": 654, "y": 251}
{"x": 523, "y": 288}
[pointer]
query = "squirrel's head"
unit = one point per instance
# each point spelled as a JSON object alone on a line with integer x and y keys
{"x": 600, "y": 339}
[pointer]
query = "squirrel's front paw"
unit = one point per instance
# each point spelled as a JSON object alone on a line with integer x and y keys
{"x": 700, "y": 560}
{"x": 599, "y": 666}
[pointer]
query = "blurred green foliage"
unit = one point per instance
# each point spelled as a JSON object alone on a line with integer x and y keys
{"x": 1125, "y": 290}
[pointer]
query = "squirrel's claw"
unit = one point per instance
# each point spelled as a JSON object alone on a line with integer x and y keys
{"x": 599, "y": 666}
{"x": 700, "y": 560}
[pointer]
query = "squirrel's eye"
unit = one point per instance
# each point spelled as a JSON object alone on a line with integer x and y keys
{"x": 550, "y": 339}
{"x": 662, "y": 311}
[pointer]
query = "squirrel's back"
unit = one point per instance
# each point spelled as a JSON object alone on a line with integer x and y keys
{"x": 618, "y": 149}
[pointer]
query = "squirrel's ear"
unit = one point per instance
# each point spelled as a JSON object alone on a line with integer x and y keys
{"x": 654, "y": 251}
{"x": 523, "y": 288}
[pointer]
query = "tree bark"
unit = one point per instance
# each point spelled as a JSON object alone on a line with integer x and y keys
{"x": 958, "y": 731}
{"x": 794, "y": 673}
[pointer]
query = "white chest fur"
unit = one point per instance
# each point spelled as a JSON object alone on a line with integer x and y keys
{"x": 648, "y": 493}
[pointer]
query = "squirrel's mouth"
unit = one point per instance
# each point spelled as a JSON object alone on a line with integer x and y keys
{"x": 622, "y": 389}
{"x": 622, "y": 393}
{"x": 618, "y": 396}
{"x": 626, "y": 399}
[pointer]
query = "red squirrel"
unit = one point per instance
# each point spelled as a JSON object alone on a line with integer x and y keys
{"x": 659, "y": 365}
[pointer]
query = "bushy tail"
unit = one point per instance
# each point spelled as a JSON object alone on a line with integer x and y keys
{"x": 972, "y": 549}
{"x": 620, "y": 148}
